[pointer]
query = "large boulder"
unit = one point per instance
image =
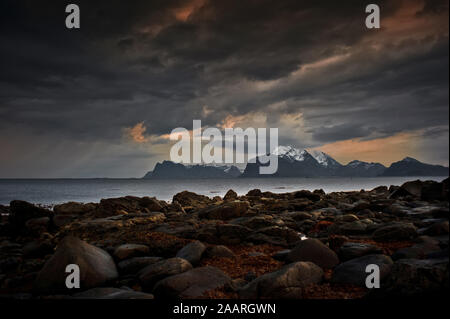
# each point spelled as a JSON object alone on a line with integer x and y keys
{"x": 192, "y": 252}
{"x": 287, "y": 282}
{"x": 162, "y": 269}
{"x": 20, "y": 212}
{"x": 276, "y": 235}
{"x": 354, "y": 271}
{"x": 315, "y": 251}
{"x": 190, "y": 199}
{"x": 191, "y": 284}
{"x": 226, "y": 210}
{"x": 231, "y": 234}
{"x": 434, "y": 191}
{"x": 96, "y": 267}
{"x": 395, "y": 231}
{"x": 230, "y": 195}
{"x": 412, "y": 188}
{"x": 129, "y": 204}
{"x": 152, "y": 204}
{"x": 414, "y": 276}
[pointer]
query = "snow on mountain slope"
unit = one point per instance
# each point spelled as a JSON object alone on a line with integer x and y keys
{"x": 324, "y": 159}
{"x": 290, "y": 153}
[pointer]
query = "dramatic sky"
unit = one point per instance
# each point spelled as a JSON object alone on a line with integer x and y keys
{"x": 100, "y": 101}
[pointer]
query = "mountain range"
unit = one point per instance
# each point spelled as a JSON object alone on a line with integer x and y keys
{"x": 171, "y": 170}
{"x": 293, "y": 162}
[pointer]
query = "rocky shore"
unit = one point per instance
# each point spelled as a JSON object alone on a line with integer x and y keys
{"x": 300, "y": 244}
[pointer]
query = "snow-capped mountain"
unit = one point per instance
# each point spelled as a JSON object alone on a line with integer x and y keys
{"x": 290, "y": 153}
{"x": 293, "y": 162}
{"x": 325, "y": 160}
{"x": 301, "y": 163}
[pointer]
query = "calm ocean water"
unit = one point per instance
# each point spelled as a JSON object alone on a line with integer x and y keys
{"x": 54, "y": 191}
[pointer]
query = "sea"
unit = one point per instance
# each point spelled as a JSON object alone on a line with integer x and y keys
{"x": 49, "y": 192}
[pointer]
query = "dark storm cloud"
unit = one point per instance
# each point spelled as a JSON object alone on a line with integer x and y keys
{"x": 163, "y": 62}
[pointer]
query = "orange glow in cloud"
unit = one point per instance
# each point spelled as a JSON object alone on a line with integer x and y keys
{"x": 136, "y": 133}
{"x": 183, "y": 13}
{"x": 383, "y": 150}
{"x": 230, "y": 121}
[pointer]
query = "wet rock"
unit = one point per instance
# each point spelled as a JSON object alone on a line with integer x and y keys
{"x": 193, "y": 283}
{"x": 352, "y": 250}
{"x": 119, "y": 206}
{"x": 190, "y": 199}
{"x": 281, "y": 255}
{"x": 21, "y": 212}
{"x": 73, "y": 208}
{"x": 63, "y": 220}
{"x": 254, "y": 193}
{"x": 112, "y": 293}
{"x": 37, "y": 226}
{"x": 130, "y": 250}
{"x": 300, "y": 216}
{"x": 287, "y": 282}
{"x": 437, "y": 229}
{"x": 396, "y": 210}
{"x": 315, "y": 251}
{"x": 152, "y": 204}
{"x": 160, "y": 270}
{"x": 314, "y": 197}
{"x": 255, "y": 222}
{"x": 275, "y": 235}
{"x": 413, "y": 188}
{"x": 413, "y": 276}
{"x": 219, "y": 251}
{"x": 395, "y": 231}
{"x": 229, "y": 234}
{"x": 336, "y": 241}
{"x": 418, "y": 251}
{"x": 354, "y": 271}
{"x": 136, "y": 264}
{"x": 225, "y": 211}
{"x": 36, "y": 249}
{"x": 348, "y": 218}
{"x": 434, "y": 191}
{"x": 96, "y": 267}
{"x": 192, "y": 252}
{"x": 230, "y": 195}
{"x": 380, "y": 189}
{"x": 353, "y": 228}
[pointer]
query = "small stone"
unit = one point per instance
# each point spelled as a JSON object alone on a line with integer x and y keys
{"x": 192, "y": 252}
{"x": 130, "y": 250}
{"x": 162, "y": 269}
{"x": 315, "y": 251}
